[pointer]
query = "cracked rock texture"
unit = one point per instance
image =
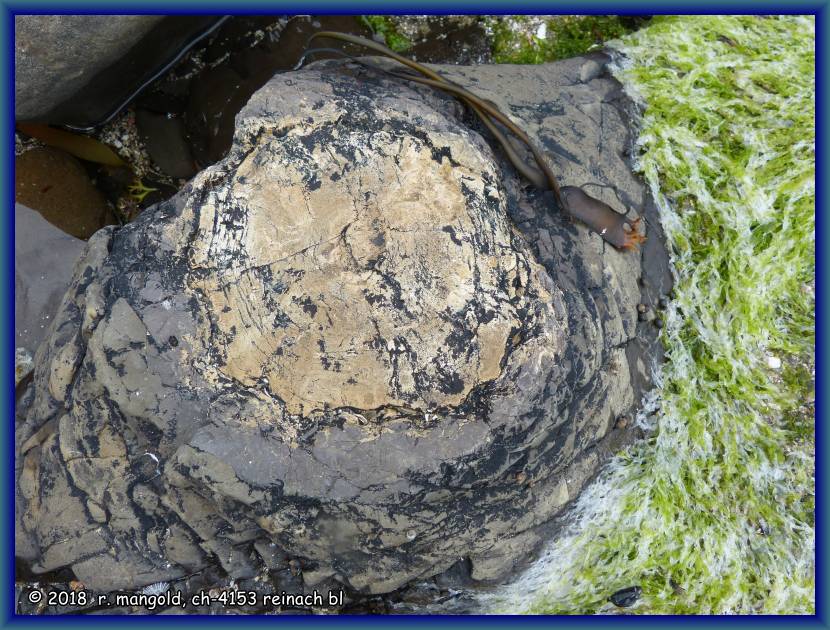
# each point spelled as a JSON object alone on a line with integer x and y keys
{"x": 360, "y": 343}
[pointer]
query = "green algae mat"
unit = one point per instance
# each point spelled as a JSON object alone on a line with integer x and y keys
{"x": 714, "y": 512}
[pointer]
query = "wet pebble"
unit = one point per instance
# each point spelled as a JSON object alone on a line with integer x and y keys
{"x": 626, "y": 597}
{"x": 590, "y": 70}
{"x": 166, "y": 142}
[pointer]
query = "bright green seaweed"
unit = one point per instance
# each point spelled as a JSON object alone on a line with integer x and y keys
{"x": 714, "y": 512}
{"x": 386, "y": 26}
{"x": 565, "y": 36}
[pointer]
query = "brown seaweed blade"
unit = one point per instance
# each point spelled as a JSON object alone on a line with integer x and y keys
{"x": 80, "y": 146}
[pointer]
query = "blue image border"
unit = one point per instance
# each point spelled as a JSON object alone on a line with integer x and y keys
{"x": 621, "y": 7}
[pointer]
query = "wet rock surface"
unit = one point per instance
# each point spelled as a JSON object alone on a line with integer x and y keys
{"x": 353, "y": 352}
{"x": 56, "y": 55}
{"x": 79, "y": 70}
{"x": 44, "y": 260}
{"x": 56, "y": 185}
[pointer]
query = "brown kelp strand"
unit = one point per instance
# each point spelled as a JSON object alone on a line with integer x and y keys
{"x": 613, "y": 227}
{"x": 78, "y": 145}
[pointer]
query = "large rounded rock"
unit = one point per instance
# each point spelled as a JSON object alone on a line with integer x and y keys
{"x": 80, "y": 69}
{"x": 57, "y": 55}
{"x": 357, "y": 342}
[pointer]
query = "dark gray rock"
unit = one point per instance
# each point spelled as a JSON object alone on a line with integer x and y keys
{"x": 44, "y": 260}
{"x": 355, "y": 351}
{"x": 626, "y": 597}
{"x": 80, "y": 70}
{"x": 165, "y": 139}
{"x": 57, "y": 55}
